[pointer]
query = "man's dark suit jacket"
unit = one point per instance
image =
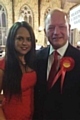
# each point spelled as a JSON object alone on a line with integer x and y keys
{"x": 51, "y": 104}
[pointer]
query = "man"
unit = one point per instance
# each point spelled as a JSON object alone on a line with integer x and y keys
{"x": 62, "y": 100}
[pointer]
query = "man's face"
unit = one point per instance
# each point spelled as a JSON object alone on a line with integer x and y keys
{"x": 57, "y": 29}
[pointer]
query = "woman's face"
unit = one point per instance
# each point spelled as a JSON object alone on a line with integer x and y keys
{"x": 22, "y": 41}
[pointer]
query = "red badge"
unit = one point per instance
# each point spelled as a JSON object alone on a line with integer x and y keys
{"x": 66, "y": 64}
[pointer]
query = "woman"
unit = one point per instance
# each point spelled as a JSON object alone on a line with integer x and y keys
{"x": 17, "y": 75}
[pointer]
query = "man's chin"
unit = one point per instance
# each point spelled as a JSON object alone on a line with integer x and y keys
{"x": 56, "y": 46}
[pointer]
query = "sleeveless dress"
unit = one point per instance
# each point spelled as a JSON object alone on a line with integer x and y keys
{"x": 21, "y": 109}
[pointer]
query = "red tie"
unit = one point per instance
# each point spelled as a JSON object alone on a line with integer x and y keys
{"x": 53, "y": 70}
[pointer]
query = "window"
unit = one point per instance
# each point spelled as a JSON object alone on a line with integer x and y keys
{"x": 3, "y": 26}
{"x": 45, "y": 15}
{"x": 26, "y": 15}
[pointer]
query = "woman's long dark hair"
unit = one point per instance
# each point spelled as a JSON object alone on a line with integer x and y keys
{"x": 12, "y": 73}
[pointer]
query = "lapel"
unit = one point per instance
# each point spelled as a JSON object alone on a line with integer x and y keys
{"x": 69, "y": 51}
{"x": 42, "y": 60}
{"x": 45, "y": 60}
{"x": 69, "y": 76}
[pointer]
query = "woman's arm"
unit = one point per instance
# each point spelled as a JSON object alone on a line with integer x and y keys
{"x": 2, "y": 116}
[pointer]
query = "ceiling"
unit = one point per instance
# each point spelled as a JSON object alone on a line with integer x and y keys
{"x": 71, "y": 1}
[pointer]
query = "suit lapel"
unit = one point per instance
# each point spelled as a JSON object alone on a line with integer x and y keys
{"x": 45, "y": 61}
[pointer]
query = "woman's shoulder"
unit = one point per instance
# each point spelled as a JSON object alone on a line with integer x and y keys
{"x": 2, "y": 63}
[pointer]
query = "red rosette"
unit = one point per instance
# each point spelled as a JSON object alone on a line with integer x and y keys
{"x": 67, "y": 63}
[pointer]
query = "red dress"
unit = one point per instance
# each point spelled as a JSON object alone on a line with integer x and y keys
{"x": 21, "y": 109}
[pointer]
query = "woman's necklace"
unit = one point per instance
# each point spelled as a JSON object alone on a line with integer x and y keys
{"x": 23, "y": 66}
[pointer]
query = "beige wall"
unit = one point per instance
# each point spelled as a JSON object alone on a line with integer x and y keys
{"x": 34, "y": 7}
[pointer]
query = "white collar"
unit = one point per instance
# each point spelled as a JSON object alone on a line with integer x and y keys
{"x": 61, "y": 50}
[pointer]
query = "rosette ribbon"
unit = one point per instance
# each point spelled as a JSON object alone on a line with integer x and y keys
{"x": 66, "y": 64}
